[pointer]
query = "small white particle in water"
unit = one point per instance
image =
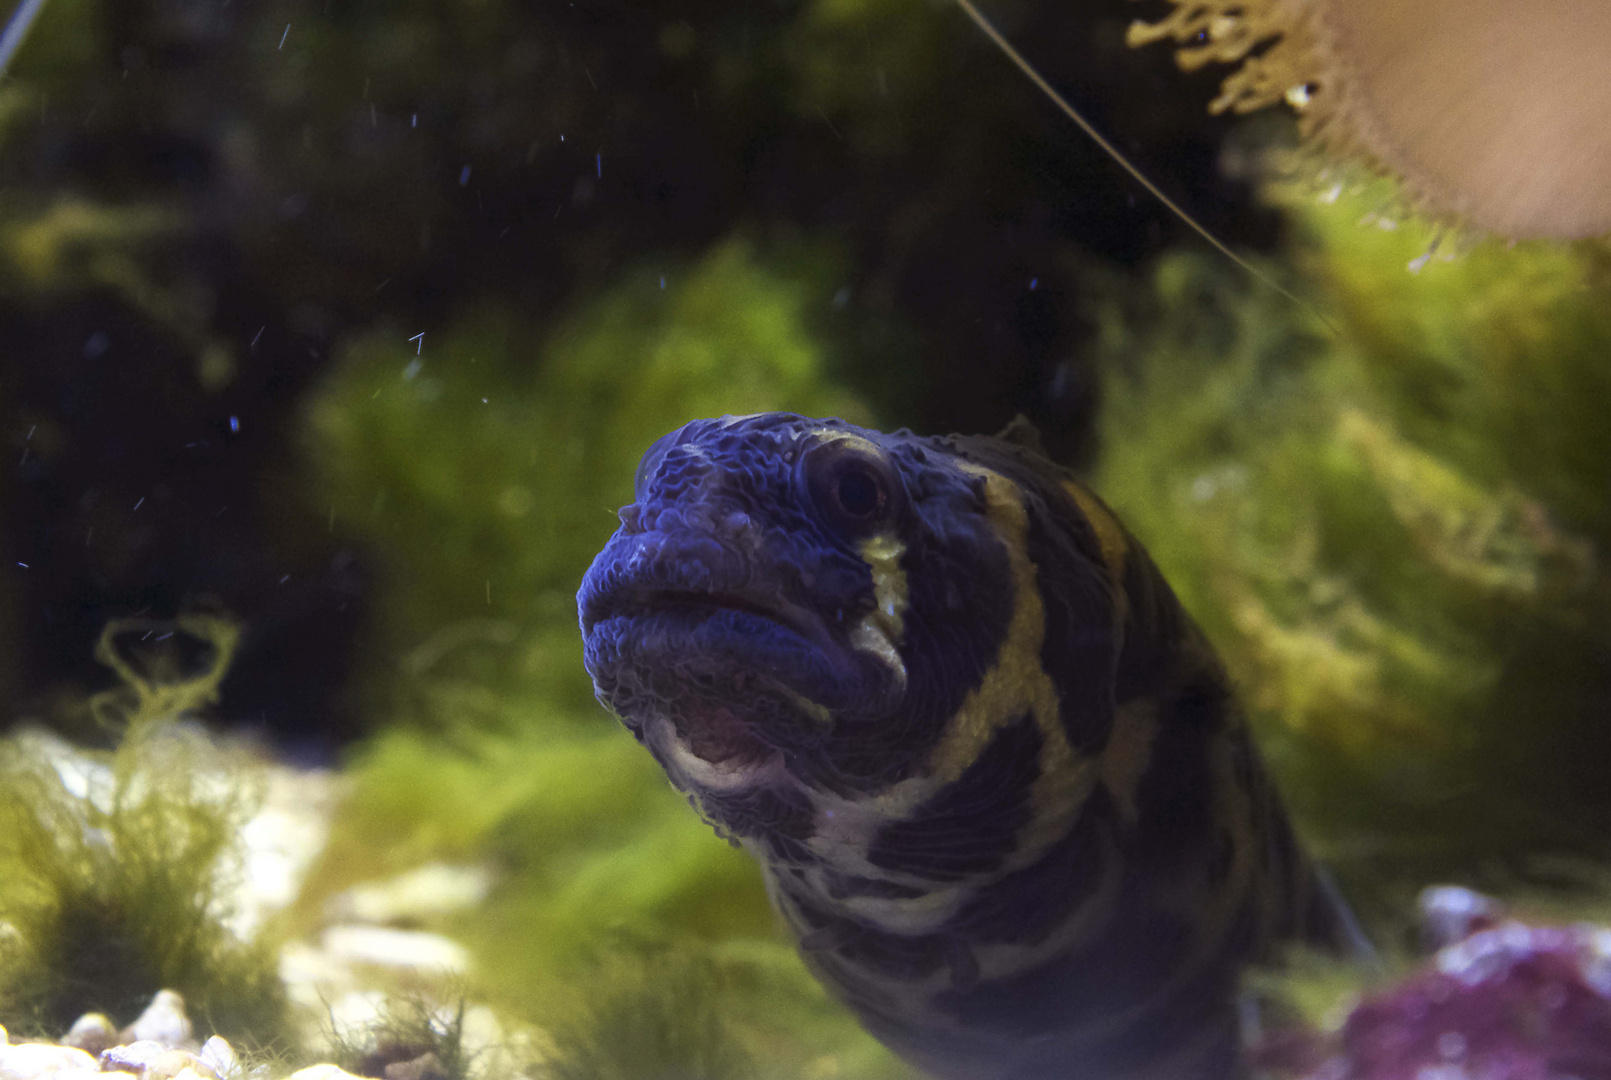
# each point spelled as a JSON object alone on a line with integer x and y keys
{"x": 598, "y": 164}
{"x": 1332, "y": 195}
{"x": 464, "y": 176}
{"x": 1451, "y": 1046}
{"x": 284, "y": 579}
{"x": 412, "y": 369}
{"x": 139, "y": 504}
{"x": 414, "y": 120}
{"x": 420, "y": 338}
{"x": 1034, "y": 283}
{"x": 23, "y": 565}
{"x": 257, "y": 335}
{"x": 234, "y": 423}
{"x": 662, "y": 281}
{"x": 285, "y": 35}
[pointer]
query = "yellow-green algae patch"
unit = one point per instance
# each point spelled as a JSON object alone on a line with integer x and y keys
{"x": 1395, "y": 530}
{"x": 115, "y": 868}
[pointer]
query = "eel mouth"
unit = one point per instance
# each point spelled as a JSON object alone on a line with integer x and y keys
{"x": 649, "y": 601}
{"x": 750, "y": 650}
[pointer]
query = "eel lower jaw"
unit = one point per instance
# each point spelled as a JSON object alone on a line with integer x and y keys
{"x": 692, "y": 772}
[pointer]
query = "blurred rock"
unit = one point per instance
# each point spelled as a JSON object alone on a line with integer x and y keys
{"x": 427, "y": 891}
{"x": 134, "y": 1057}
{"x": 322, "y": 1072}
{"x": 220, "y": 1057}
{"x": 164, "y": 1021}
{"x": 178, "y": 1065}
{"x": 92, "y": 1033}
{"x": 396, "y": 948}
{"x": 35, "y": 1061}
{"x": 281, "y": 841}
{"x": 425, "y": 1067}
{"x": 1450, "y": 914}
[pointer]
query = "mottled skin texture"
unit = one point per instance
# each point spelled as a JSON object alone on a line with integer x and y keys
{"x": 989, "y": 766}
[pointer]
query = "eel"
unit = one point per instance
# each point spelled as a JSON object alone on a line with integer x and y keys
{"x": 994, "y": 775}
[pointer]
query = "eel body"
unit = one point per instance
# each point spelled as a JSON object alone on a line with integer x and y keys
{"x": 993, "y": 773}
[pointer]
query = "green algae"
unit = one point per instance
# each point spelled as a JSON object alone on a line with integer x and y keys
{"x": 114, "y": 867}
{"x": 1391, "y": 531}
{"x": 409, "y": 1027}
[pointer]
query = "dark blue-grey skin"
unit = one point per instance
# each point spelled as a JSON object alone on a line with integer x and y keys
{"x": 991, "y": 770}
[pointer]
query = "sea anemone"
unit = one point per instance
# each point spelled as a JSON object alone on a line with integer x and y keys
{"x": 1492, "y": 113}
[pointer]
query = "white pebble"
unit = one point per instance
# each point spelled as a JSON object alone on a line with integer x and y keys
{"x": 134, "y": 1057}
{"x": 163, "y": 1021}
{"x": 91, "y": 1033}
{"x": 425, "y": 892}
{"x": 178, "y": 1064}
{"x": 220, "y": 1057}
{"x": 322, "y": 1072}
{"x": 395, "y": 948}
{"x": 34, "y": 1061}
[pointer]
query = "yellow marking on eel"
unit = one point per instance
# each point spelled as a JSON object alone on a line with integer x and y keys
{"x": 1129, "y": 752}
{"x": 1109, "y": 533}
{"x": 817, "y": 712}
{"x": 1016, "y": 684}
{"x": 1115, "y": 547}
{"x": 882, "y": 553}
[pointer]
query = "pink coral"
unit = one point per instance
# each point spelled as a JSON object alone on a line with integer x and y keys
{"x": 1509, "y": 1002}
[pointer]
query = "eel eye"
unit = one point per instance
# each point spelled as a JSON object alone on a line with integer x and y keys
{"x": 852, "y": 488}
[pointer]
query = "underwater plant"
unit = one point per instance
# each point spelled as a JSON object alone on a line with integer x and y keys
{"x": 114, "y": 868}
{"x": 1393, "y": 529}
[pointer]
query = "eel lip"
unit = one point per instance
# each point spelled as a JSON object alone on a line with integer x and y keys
{"x": 648, "y": 600}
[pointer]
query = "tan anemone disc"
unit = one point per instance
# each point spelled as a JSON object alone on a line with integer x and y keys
{"x": 1493, "y": 112}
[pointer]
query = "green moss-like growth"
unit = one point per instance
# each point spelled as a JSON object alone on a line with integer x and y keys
{"x": 113, "y": 867}
{"x": 684, "y": 1011}
{"x": 653, "y": 1015}
{"x": 408, "y": 1029}
{"x": 1394, "y": 532}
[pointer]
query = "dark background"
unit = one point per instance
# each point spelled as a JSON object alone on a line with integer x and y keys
{"x": 339, "y": 165}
